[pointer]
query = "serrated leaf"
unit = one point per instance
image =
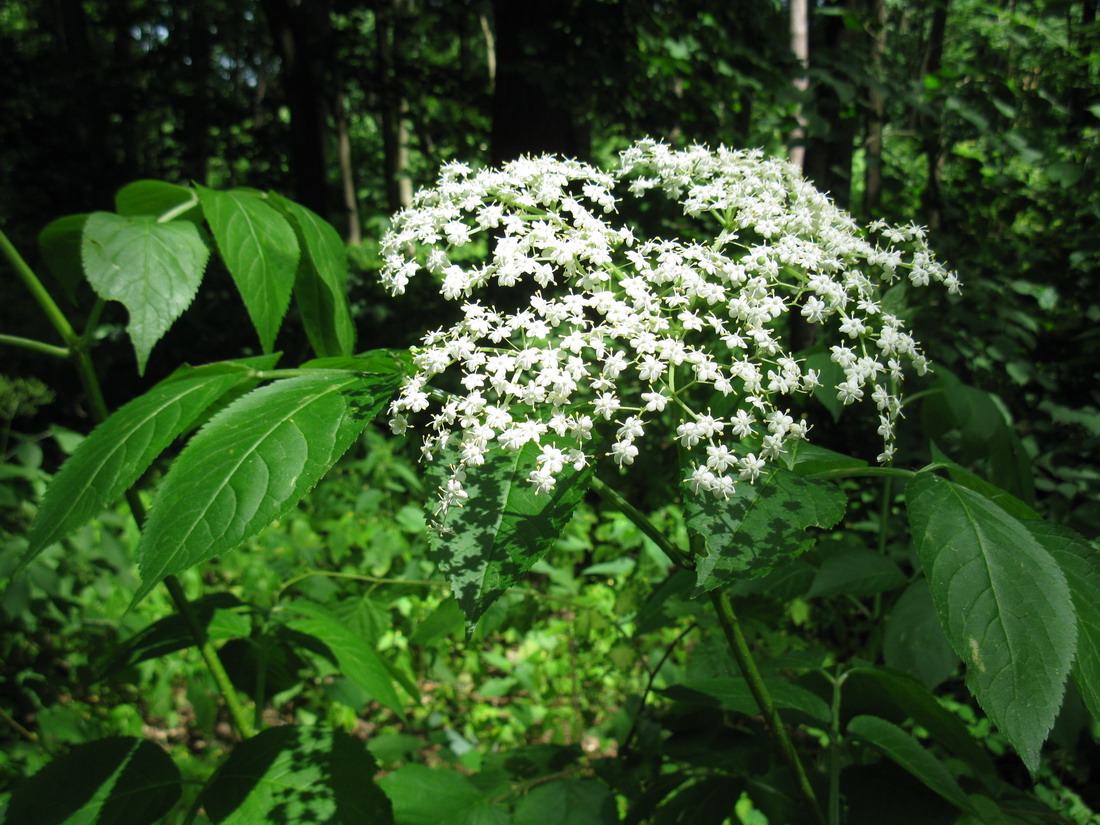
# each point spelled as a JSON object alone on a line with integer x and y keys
{"x": 1004, "y": 605}
{"x": 251, "y": 463}
{"x": 260, "y": 250}
{"x": 503, "y": 528}
{"x": 909, "y": 754}
{"x": 423, "y": 796}
{"x": 354, "y": 654}
{"x": 120, "y": 780}
{"x": 762, "y": 526}
{"x": 913, "y": 640}
{"x": 733, "y": 694}
{"x": 155, "y": 198}
{"x": 170, "y": 634}
{"x": 856, "y": 572}
{"x": 320, "y": 287}
{"x": 1080, "y": 563}
{"x": 1003, "y": 499}
{"x": 297, "y": 773}
{"x": 567, "y": 802}
{"x": 119, "y": 450}
{"x": 154, "y": 269}
{"x": 59, "y": 241}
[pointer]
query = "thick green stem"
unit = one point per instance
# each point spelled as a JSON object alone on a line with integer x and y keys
{"x": 37, "y": 346}
{"x": 78, "y": 353}
{"x": 834, "y": 753}
{"x": 739, "y": 647}
{"x": 642, "y": 522}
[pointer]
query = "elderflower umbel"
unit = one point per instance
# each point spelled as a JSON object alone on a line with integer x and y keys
{"x": 618, "y": 329}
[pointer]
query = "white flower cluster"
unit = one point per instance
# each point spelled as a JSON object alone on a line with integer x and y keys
{"x": 619, "y": 328}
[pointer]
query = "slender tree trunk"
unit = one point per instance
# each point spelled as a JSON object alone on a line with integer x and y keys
{"x": 490, "y": 51}
{"x": 932, "y": 127}
{"x": 395, "y": 132}
{"x": 876, "y": 118}
{"x": 347, "y": 173}
{"x": 800, "y": 47}
{"x": 299, "y": 29}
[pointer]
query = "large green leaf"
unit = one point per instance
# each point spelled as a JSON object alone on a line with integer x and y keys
{"x": 297, "y": 773}
{"x": 1003, "y": 603}
{"x": 251, "y": 463}
{"x": 503, "y": 527}
{"x": 856, "y": 571}
{"x": 567, "y": 802}
{"x": 261, "y": 252}
{"x": 59, "y": 241}
{"x": 913, "y": 640}
{"x": 761, "y": 527}
{"x": 909, "y": 754}
{"x": 116, "y": 781}
{"x": 153, "y": 268}
{"x": 423, "y": 796}
{"x": 118, "y": 451}
{"x": 354, "y": 654}
{"x": 1080, "y": 564}
{"x": 156, "y": 198}
{"x": 321, "y": 284}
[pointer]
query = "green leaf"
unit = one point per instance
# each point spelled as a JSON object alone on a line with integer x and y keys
{"x": 1080, "y": 563}
{"x": 567, "y": 802}
{"x": 856, "y": 572}
{"x": 909, "y": 754}
{"x": 154, "y": 269}
{"x": 118, "y": 451}
{"x": 251, "y": 463}
{"x": 1003, "y": 499}
{"x": 423, "y": 796}
{"x": 354, "y": 654}
{"x": 807, "y": 459}
{"x": 913, "y": 640}
{"x": 899, "y": 697}
{"x": 733, "y": 694}
{"x": 156, "y": 198}
{"x": 297, "y": 773}
{"x": 322, "y": 281}
{"x": 261, "y": 252}
{"x": 761, "y": 527}
{"x": 1003, "y": 603}
{"x": 174, "y": 633}
{"x": 116, "y": 781}
{"x": 503, "y": 528}
{"x": 59, "y": 241}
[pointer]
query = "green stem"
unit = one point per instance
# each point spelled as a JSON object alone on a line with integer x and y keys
{"x": 81, "y": 358}
{"x": 37, "y": 346}
{"x": 860, "y": 472}
{"x": 642, "y": 522}
{"x": 834, "y": 753}
{"x": 739, "y": 647}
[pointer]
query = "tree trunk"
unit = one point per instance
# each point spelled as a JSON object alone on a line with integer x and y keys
{"x": 347, "y": 173}
{"x": 299, "y": 29}
{"x": 395, "y": 131}
{"x": 800, "y": 47}
{"x": 872, "y": 172}
{"x": 932, "y": 127}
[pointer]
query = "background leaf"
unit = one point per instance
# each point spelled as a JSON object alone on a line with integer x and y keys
{"x": 59, "y": 241}
{"x": 155, "y": 198}
{"x": 297, "y": 773}
{"x": 120, "y": 780}
{"x": 856, "y": 571}
{"x": 910, "y": 755}
{"x": 113, "y": 457}
{"x": 154, "y": 269}
{"x": 1080, "y": 564}
{"x": 251, "y": 463}
{"x": 422, "y": 796}
{"x": 261, "y": 252}
{"x": 320, "y": 287}
{"x": 354, "y": 654}
{"x": 1003, "y": 603}
{"x": 567, "y": 802}
{"x": 761, "y": 527}
{"x": 913, "y": 639}
{"x": 733, "y": 694}
{"x": 503, "y": 527}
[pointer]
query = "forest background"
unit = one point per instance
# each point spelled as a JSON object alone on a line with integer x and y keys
{"x": 980, "y": 120}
